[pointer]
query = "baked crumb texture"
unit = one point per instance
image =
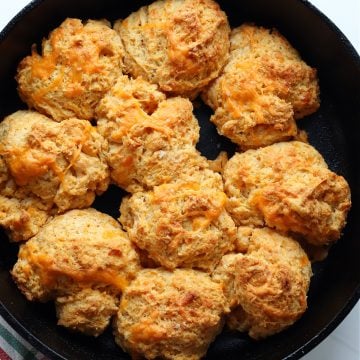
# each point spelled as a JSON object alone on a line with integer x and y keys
{"x": 181, "y": 45}
{"x": 201, "y": 243}
{"x": 78, "y": 64}
{"x": 263, "y": 89}
{"x": 266, "y": 285}
{"x": 83, "y": 260}
{"x": 169, "y": 315}
{"x": 151, "y": 139}
{"x": 183, "y": 224}
{"x": 47, "y": 168}
{"x": 287, "y": 186}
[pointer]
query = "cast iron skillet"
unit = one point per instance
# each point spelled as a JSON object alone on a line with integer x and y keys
{"x": 333, "y": 130}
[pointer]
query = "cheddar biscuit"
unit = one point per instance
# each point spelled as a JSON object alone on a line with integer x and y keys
{"x": 46, "y": 168}
{"x": 169, "y": 315}
{"x": 79, "y": 63}
{"x": 264, "y": 87}
{"x": 266, "y": 286}
{"x": 287, "y": 186}
{"x": 76, "y": 258}
{"x": 151, "y": 139}
{"x": 181, "y": 224}
{"x": 181, "y": 45}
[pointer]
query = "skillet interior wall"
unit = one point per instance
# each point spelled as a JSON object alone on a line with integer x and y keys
{"x": 333, "y": 132}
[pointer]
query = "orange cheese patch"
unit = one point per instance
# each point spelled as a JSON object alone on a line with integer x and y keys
{"x": 26, "y": 164}
{"x": 50, "y": 272}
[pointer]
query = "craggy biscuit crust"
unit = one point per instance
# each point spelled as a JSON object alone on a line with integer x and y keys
{"x": 87, "y": 311}
{"x": 182, "y": 224}
{"x": 47, "y": 168}
{"x": 79, "y": 63}
{"x": 263, "y": 88}
{"x": 266, "y": 286}
{"x": 287, "y": 186}
{"x": 83, "y": 260}
{"x": 181, "y": 45}
{"x": 169, "y": 315}
{"x": 151, "y": 139}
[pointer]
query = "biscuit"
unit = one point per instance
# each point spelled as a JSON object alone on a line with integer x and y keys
{"x": 87, "y": 311}
{"x": 79, "y": 63}
{"x": 169, "y": 315}
{"x": 181, "y": 45}
{"x": 266, "y": 286}
{"x": 46, "y": 168}
{"x": 287, "y": 186}
{"x": 288, "y": 75}
{"x": 151, "y": 139}
{"x": 264, "y": 87}
{"x": 77, "y": 258}
{"x": 181, "y": 224}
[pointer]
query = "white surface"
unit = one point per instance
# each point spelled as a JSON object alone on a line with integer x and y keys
{"x": 346, "y": 15}
{"x": 344, "y": 342}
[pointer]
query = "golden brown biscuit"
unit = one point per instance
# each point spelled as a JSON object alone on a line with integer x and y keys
{"x": 151, "y": 140}
{"x": 289, "y": 187}
{"x": 264, "y": 86}
{"x": 266, "y": 287}
{"x": 181, "y": 45}
{"x": 87, "y": 311}
{"x": 78, "y": 65}
{"x": 21, "y": 214}
{"x": 169, "y": 315}
{"x": 290, "y": 78}
{"x": 81, "y": 249}
{"x": 47, "y": 167}
{"x": 182, "y": 224}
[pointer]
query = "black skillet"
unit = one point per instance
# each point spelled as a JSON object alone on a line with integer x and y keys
{"x": 333, "y": 130}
